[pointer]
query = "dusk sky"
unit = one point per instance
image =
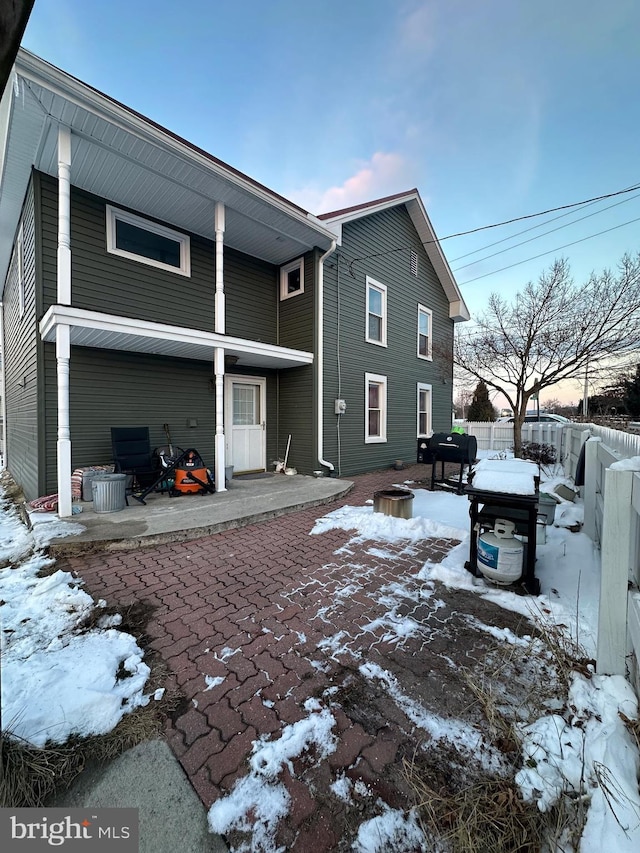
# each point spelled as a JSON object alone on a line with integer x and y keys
{"x": 493, "y": 109}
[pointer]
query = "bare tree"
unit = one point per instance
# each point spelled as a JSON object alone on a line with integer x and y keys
{"x": 551, "y": 331}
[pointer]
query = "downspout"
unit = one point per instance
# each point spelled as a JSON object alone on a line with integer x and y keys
{"x": 320, "y": 360}
{"x": 3, "y": 391}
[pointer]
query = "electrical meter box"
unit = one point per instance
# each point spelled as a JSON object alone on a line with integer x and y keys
{"x": 341, "y": 407}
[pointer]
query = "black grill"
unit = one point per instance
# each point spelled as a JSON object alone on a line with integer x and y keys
{"x": 444, "y": 447}
{"x": 448, "y": 447}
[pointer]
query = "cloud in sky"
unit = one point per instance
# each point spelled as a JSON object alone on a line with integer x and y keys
{"x": 383, "y": 174}
{"x": 416, "y": 29}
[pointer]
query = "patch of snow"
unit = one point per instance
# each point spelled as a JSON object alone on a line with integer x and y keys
{"x": 212, "y": 681}
{"x": 391, "y": 830}
{"x": 632, "y": 464}
{"x": 462, "y": 735}
{"x": 342, "y": 788}
{"x": 258, "y": 801}
{"x": 590, "y": 752}
{"x": 430, "y": 519}
{"x": 254, "y": 807}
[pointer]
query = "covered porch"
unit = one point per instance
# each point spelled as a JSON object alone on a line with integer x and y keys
{"x": 84, "y": 139}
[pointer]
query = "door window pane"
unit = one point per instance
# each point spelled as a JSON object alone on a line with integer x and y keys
{"x": 245, "y": 408}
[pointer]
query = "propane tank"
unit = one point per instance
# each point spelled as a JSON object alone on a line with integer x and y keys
{"x": 500, "y": 554}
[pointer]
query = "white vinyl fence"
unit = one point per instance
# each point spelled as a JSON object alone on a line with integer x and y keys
{"x": 498, "y": 436}
{"x": 611, "y": 520}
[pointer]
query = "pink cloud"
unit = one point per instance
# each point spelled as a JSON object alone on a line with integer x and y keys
{"x": 384, "y": 174}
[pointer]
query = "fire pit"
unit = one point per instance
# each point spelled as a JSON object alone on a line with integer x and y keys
{"x": 396, "y": 502}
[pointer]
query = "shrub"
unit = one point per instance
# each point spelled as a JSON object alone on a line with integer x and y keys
{"x": 543, "y": 454}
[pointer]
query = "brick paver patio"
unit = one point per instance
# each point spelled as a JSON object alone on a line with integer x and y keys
{"x": 253, "y": 622}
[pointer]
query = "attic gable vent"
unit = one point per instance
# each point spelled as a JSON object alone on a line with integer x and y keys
{"x": 414, "y": 263}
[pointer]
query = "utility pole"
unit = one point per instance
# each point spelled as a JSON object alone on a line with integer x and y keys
{"x": 585, "y": 393}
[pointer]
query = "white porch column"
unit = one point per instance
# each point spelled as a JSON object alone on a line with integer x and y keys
{"x": 63, "y": 336}
{"x": 218, "y": 364}
{"x": 219, "y": 306}
{"x": 63, "y": 348}
{"x": 218, "y": 356}
{"x": 64, "y": 216}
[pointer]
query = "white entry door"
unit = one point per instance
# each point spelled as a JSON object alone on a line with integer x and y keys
{"x": 245, "y": 398}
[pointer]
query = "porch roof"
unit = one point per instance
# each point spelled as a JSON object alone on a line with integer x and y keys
{"x": 122, "y": 156}
{"x": 107, "y": 331}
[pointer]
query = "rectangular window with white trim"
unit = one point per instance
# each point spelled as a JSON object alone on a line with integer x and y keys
{"x": 375, "y": 408}
{"x": 424, "y": 410}
{"x": 292, "y": 279}
{"x": 147, "y": 242}
{"x": 425, "y": 335}
{"x": 376, "y": 323}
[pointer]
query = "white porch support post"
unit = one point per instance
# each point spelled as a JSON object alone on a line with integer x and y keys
{"x": 617, "y": 531}
{"x": 63, "y": 336}
{"x": 64, "y": 216}
{"x": 218, "y": 363}
{"x": 219, "y": 306}
{"x": 218, "y": 356}
{"x": 63, "y": 348}
{"x": 590, "y": 495}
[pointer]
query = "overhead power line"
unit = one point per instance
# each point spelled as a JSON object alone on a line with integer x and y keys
{"x": 545, "y": 233}
{"x": 550, "y": 252}
{"x": 524, "y": 231}
{"x": 533, "y": 215}
{"x": 505, "y": 222}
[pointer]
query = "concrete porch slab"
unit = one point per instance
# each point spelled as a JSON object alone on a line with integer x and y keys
{"x": 175, "y": 519}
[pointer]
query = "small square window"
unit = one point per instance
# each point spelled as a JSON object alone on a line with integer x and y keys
{"x": 147, "y": 242}
{"x": 292, "y": 279}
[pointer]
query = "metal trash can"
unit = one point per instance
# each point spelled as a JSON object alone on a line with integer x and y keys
{"x": 394, "y": 502}
{"x": 109, "y": 492}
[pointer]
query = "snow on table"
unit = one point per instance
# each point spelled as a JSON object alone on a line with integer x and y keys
{"x": 506, "y": 476}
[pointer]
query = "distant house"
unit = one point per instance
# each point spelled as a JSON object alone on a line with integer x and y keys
{"x": 148, "y": 283}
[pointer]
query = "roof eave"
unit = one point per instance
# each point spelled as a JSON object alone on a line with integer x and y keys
{"x": 43, "y": 73}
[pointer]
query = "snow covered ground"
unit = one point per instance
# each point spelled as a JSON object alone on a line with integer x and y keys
{"x": 60, "y": 677}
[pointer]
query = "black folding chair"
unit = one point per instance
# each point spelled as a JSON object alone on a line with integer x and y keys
{"x": 132, "y": 455}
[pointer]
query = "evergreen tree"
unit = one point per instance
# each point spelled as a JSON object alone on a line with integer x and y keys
{"x": 632, "y": 394}
{"x": 481, "y": 408}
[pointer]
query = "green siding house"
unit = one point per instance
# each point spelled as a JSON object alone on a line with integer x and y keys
{"x": 147, "y": 283}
